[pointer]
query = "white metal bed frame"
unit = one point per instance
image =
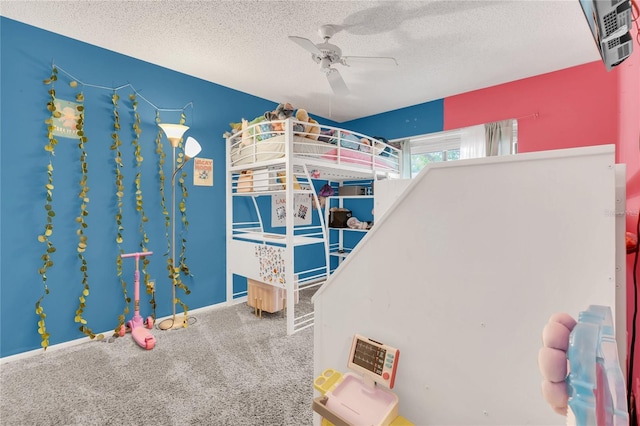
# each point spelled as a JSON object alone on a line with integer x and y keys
{"x": 305, "y": 167}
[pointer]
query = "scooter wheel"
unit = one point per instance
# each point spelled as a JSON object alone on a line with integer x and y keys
{"x": 149, "y": 322}
{"x": 123, "y": 330}
{"x": 150, "y": 344}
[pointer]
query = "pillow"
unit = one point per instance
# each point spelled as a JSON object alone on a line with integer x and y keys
{"x": 265, "y": 131}
{"x": 248, "y": 132}
{"x": 326, "y": 135}
{"x": 347, "y": 140}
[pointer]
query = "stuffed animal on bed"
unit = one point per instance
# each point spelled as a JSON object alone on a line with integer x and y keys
{"x": 235, "y": 128}
{"x": 282, "y": 112}
{"x": 311, "y": 130}
{"x": 552, "y": 361}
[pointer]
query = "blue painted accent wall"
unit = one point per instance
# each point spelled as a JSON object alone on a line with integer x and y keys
{"x": 404, "y": 122}
{"x": 27, "y": 54}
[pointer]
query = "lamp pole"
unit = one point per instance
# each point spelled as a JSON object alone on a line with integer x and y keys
{"x": 192, "y": 148}
{"x": 174, "y": 133}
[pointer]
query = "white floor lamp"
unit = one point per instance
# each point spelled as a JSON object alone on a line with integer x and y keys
{"x": 192, "y": 148}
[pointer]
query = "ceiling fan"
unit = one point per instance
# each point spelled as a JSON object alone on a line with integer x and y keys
{"x": 327, "y": 54}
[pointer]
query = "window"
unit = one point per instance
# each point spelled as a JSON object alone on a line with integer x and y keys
{"x": 433, "y": 148}
{"x": 441, "y": 146}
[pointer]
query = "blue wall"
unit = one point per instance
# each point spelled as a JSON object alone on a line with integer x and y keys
{"x": 27, "y": 54}
{"x": 411, "y": 121}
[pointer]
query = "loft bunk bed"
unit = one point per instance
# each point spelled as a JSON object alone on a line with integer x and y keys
{"x": 276, "y": 229}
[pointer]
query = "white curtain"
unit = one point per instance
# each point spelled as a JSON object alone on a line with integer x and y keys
{"x": 487, "y": 140}
{"x": 473, "y": 142}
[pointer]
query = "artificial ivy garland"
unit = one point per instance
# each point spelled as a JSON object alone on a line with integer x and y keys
{"x": 161, "y": 179}
{"x": 47, "y": 262}
{"x": 183, "y": 213}
{"x": 82, "y": 225}
{"x": 183, "y": 217}
{"x": 137, "y": 130}
{"x": 119, "y": 186}
{"x": 182, "y": 207}
{"x": 84, "y": 189}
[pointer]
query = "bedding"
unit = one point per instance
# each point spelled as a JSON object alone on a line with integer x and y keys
{"x": 272, "y": 148}
{"x": 359, "y": 157}
{"x": 265, "y": 141}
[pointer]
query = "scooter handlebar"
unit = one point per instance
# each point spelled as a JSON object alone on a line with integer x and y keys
{"x": 138, "y": 254}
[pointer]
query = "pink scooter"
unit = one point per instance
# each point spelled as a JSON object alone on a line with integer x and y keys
{"x": 136, "y": 325}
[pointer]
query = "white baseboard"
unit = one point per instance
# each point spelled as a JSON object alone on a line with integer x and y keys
{"x": 71, "y": 343}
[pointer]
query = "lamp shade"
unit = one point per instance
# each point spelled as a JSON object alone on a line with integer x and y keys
{"x": 174, "y": 132}
{"x": 191, "y": 148}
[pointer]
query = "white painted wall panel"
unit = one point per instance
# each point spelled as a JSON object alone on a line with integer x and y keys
{"x": 462, "y": 273}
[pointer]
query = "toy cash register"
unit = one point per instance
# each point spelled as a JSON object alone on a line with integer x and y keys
{"x": 356, "y": 399}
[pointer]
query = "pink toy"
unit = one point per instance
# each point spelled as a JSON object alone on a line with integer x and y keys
{"x": 138, "y": 327}
{"x": 582, "y": 375}
{"x": 552, "y": 361}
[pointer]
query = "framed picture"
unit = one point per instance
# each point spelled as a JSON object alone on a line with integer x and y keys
{"x": 203, "y": 171}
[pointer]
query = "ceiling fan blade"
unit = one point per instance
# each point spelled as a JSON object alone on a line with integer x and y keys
{"x": 378, "y": 60}
{"x": 336, "y": 82}
{"x": 306, "y": 44}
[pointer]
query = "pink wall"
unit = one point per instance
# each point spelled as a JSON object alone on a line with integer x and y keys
{"x": 575, "y": 107}
{"x": 579, "y": 106}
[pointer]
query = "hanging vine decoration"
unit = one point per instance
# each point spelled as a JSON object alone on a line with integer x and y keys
{"x": 47, "y": 262}
{"x": 119, "y": 187}
{"x": 137, "y": 130}
{"x": 183, "y": 216}
{"x": 82, "y": 238}
{"x": 82, "y": 243}
{"x": 183, "y": 213}
{"x": 173, "y": 275}
{"x": 181, "y": 264}
{"x": 161, "y": 177}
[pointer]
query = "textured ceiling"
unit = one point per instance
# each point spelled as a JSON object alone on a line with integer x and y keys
{"x": 442, "y": 48}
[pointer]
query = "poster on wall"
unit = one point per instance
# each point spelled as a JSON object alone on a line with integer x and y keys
{"x": 203, "y": 171}
{"x": 301, "y": 207}
{"x": 65, "y": 125}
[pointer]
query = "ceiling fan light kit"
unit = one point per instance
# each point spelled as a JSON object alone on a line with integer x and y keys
{"x": 327, "y": 54}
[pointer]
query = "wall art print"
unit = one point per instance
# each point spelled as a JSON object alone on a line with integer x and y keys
{"x": 301, "y": 209}
{"x": 203, "y": 171}
{"x": 65, "y": 125}
{"x": 271, "y": 260}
